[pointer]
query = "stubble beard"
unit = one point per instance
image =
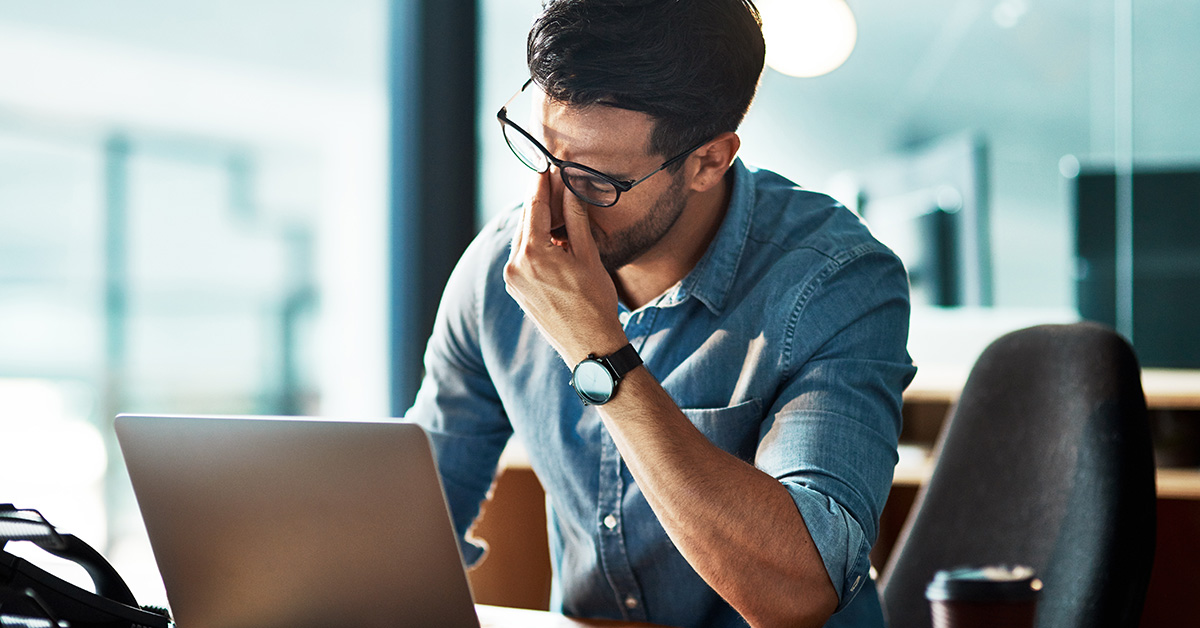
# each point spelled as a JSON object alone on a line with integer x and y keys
{"x": 624, "y": 247}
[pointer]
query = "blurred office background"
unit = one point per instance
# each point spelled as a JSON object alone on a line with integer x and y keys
{"x": 227, "y": 207}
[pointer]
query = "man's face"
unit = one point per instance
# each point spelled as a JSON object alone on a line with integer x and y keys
{"x": 615, "y": 142}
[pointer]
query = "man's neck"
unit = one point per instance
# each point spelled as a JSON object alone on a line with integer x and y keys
{"x": 660, "y": 268}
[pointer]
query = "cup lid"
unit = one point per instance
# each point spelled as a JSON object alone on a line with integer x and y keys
{"x": 998, "y": 583}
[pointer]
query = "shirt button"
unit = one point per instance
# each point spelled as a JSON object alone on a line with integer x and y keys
{"x": 631, "y": 602}
{"x": 610, "y": 522}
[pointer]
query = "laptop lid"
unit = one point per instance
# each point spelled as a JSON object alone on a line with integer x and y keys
{"x": 274, "y": 522}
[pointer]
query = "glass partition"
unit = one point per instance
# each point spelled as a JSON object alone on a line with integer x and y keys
{"x": 974, "y": 118}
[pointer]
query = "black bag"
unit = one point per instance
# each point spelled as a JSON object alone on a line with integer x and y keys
{"x": 30, "y": 597}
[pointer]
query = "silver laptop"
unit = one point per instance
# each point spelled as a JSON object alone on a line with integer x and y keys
{"x": 273, "y": 522}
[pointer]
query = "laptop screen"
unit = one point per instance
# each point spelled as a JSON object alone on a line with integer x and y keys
{"x": 296, "y": 522}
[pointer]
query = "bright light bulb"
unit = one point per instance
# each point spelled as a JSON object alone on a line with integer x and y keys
{"x": 807, "y": 38}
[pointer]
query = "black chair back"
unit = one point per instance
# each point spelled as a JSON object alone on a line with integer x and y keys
{"x": 1045, "y": 461}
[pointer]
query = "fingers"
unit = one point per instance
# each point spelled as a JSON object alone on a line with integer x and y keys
{"x": 537, "y": 231}
{"x": 534, "y": 211}
{"x": 537, "y": 211}
{"x": 579, "y": 228}
{"x": 519, "y": 235}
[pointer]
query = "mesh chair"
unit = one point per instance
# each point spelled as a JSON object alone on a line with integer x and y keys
{"x": 1045, "y": 461}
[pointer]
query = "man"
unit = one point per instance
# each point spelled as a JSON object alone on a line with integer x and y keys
{"x": 704, "y": 362}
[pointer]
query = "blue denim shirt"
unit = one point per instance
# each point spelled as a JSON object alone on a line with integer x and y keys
{"x": 785, "y": 346}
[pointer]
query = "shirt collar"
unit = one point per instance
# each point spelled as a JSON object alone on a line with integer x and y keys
{"x": 714, "y": 274}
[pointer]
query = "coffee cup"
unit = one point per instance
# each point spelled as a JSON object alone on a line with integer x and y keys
{"x": 984, "y": 597}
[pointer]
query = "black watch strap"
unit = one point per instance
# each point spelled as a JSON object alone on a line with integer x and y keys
{"x": 622, "y": 361}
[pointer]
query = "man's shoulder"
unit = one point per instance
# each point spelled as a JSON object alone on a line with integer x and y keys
{"x": 497, "y": 231}
{"x": 478, "y": 274}
{"x": 790, "y": 218}
{"x": 492, "y": 242}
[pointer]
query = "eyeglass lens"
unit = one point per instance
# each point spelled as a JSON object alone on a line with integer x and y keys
{"x": 525, "y": 150}
{"x": 582, "y": 183}
{"x": 589, "y": 187}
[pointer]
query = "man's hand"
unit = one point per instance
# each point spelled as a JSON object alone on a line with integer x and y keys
{"x": 560, "y": 282}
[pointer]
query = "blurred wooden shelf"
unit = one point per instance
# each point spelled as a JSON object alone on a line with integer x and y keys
{"x": 912, "y": 474}
{"x": 936, "y": 387}
{"x": 1171, "y": 389}
{"x": 1166, "y": 389}
{"x": 1179, "y": 484}
{"x": 1172, "y": 483}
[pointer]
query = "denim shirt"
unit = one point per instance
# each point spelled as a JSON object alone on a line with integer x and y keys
{"x": 785, "y": 346}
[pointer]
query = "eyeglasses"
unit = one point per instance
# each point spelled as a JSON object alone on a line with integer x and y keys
{"x": 589, "y": 184}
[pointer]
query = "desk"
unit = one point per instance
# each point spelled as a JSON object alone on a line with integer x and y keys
{"x": 503, "y": 617}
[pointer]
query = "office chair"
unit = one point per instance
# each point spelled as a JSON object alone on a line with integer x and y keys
{"x": 1045, "y": 461}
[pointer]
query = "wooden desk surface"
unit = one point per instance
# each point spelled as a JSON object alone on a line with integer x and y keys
{"x": 503, "y": 617}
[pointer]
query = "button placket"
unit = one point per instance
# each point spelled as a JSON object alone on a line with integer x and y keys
{"x": 610, "y": 538}
{"x": 609, "y": 529}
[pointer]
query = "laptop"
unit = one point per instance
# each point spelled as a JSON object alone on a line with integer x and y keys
{"x": 294, "y": 522}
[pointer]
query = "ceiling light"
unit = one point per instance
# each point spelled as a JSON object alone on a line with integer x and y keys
{"x": 807, "y": 38}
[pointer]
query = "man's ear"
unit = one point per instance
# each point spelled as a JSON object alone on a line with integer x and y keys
{"x": 711, "y": 161}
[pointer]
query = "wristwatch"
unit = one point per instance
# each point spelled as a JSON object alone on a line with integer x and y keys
{"x": 595, "y": 379}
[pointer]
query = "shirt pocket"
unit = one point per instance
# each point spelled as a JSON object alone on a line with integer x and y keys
{"x": 733, "y": 429}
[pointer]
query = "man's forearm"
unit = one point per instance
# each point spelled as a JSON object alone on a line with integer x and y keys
{"x": 737, "y": 526}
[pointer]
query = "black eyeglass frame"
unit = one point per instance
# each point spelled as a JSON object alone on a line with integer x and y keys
{"x": 619, "y": 184}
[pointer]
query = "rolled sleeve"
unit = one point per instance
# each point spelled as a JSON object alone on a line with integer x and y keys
{"x": 832, "y": 433}
{"x": 838, "y": 473}
{"x": 839, "y": 539}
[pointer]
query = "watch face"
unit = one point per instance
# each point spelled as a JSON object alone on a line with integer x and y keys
{"x": 593, "y": 382}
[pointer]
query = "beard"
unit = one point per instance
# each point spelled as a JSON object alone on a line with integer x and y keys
{"x": 625, "y": 246}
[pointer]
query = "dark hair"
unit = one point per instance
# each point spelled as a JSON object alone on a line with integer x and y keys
{"x": 693, "y": 65}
